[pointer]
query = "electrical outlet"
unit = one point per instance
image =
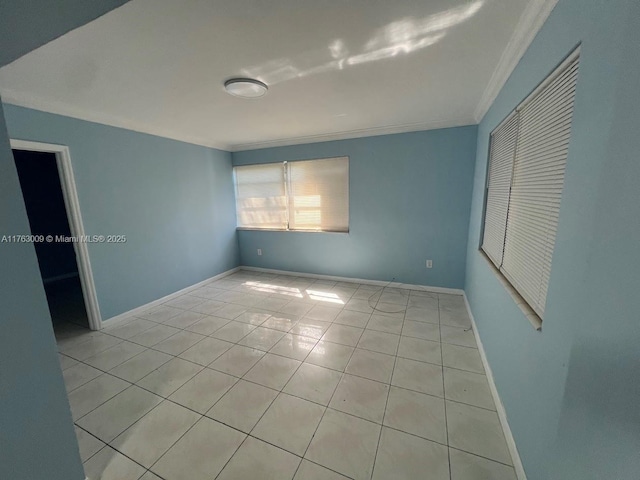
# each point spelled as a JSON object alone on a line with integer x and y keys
{"x": 429, "y": 264}
{"x": 259, "y": 251}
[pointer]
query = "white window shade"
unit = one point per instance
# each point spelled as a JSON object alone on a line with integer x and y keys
{"x": 261, "y": 200}
{"x": 503, "y": 148}
{"x": 319, "y": 194}
{"x": 536, "y": 189}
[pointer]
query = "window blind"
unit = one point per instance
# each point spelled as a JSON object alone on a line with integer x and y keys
{"x": 503, "y": 148}
{"x": 261, "y": 200}
{"x": 536, "y": 189}
{"x": 536, "y": 137}
{"x": 319, "y": 194}
{"x": 300, "y": 195}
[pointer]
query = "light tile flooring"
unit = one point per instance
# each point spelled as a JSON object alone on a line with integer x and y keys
{"x": 262, "y": 376}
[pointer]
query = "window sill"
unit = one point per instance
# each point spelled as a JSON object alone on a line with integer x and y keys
{"x": 292, "y": 231}
{"x": 534, "y": 319}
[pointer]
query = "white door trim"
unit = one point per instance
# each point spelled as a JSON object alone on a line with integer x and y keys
{"x": 70, "y": 194}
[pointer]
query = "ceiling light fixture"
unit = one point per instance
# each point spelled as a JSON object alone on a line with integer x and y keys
{"x": 245, "y": 87}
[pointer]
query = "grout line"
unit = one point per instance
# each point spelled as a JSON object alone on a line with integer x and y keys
{"x": 386, "y": 403}
{"x": 325, "y": 410}
{"x": 326, "y": 407}
{"x": 444, "y": 393}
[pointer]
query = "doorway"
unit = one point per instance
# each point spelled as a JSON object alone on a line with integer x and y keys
{"x": 48, "y": 189}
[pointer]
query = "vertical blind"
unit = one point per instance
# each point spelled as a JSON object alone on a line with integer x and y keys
{"x": 523, "y": 199}
{"x": 301, "y": 195}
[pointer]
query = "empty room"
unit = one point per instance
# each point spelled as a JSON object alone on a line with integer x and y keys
{"x": 319, "y": 240}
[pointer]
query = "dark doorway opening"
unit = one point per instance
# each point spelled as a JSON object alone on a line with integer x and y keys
{"x": 44, "y": 201}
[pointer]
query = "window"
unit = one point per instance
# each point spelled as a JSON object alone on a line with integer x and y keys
{"x": 527, "y": 158}
{"x": 302, "y": 195}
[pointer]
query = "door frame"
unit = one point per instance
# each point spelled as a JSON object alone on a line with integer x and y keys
{"x": 72, "y": 206}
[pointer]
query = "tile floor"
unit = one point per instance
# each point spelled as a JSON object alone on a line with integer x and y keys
{"x": 262, "y": 376}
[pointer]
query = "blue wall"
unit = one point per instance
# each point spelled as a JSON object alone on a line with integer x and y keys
{"x": 572, "y": 391}
{"x": 174, "y": 202}
{"x": 36, "y": 433}
{"x": 409, "y": 201}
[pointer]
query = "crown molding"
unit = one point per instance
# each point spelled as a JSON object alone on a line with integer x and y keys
{"x": 530, "y": 23}
{"x": 21, "y": 99}
{"x": 350, "y": 134}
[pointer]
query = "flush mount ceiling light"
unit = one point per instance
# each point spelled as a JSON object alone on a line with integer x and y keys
{"x": 245, "y": 87}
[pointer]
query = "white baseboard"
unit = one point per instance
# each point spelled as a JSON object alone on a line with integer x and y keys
{"x": 382, "y": 283}
{"x": 136, "y": 311}
{"x": 502, "y": 413}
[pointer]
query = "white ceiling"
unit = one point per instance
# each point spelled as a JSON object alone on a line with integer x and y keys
{"x": 335, "y": 69}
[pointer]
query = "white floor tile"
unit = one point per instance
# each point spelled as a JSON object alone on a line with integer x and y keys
{"x": 272, "y": 371}
{"x": 312, "y": 471}
{"x": 94, "y": 393}
{"x": 209, "y": 307}
{"x": 237, "y": 361}
{"x": 204, "y": 390}
{"x": 184, "y": 320}
{"x": 262, "y": 339}
{"x": 206, "y": 351}
{"x": 423, "y": 330}
{"x": 330, "y": 355}
{"x": 88, "y": 444}
{"x": 130, "y": 328}
{"x": 289, "y": 423}
{"x": 313, "y": 383}
{"x": 458, "y": 336}
{"x": 379, "y": 342}
{"x": 154, "y": 335}
{"x": 463, "y": 358}
{"x": 169, "y": 377}
{"x": 240, "y": 342}
{"x": 478, "y": 431}
{"x": 257, "y": 459}
{"x": 207, "y": 325}
{"x": 419, "y": 313}
{"x": 201, "y": 453}
{"x": 360, "y": 397}
{"x": 352, "y": 318}
{"x": 117, "y": 414}
{"x": 465, "y": 466}
{"x": 343, "y": 334}
{"x": 466, "y": 387}
{"x": 140, "y": 366}
{"x": 345, "y": 444}
{"x": 150, "y": 437}
{"x": 66, "y": 362}
{"x": 419, "y": 376}
{"x": 421, "y": 350}
{"x": 294, "y": 346}
{"x": 281, "y": 321}
{"x": 108, "y": 464}
{"x": 371, "y": 365}
{"x": 385, "y": 324}
{"x": 233, "y": 331}
{"x": 114, "y": 356}
{"x": 323, "y": 313}
{"x": 243, "y": 405}
{"x": 78, "y": 375}
{"x": 416, "y": 413}
{"x": 405, "y": 457}
{"x": 178, "y": 343}
{"x": 310, "y": 328}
